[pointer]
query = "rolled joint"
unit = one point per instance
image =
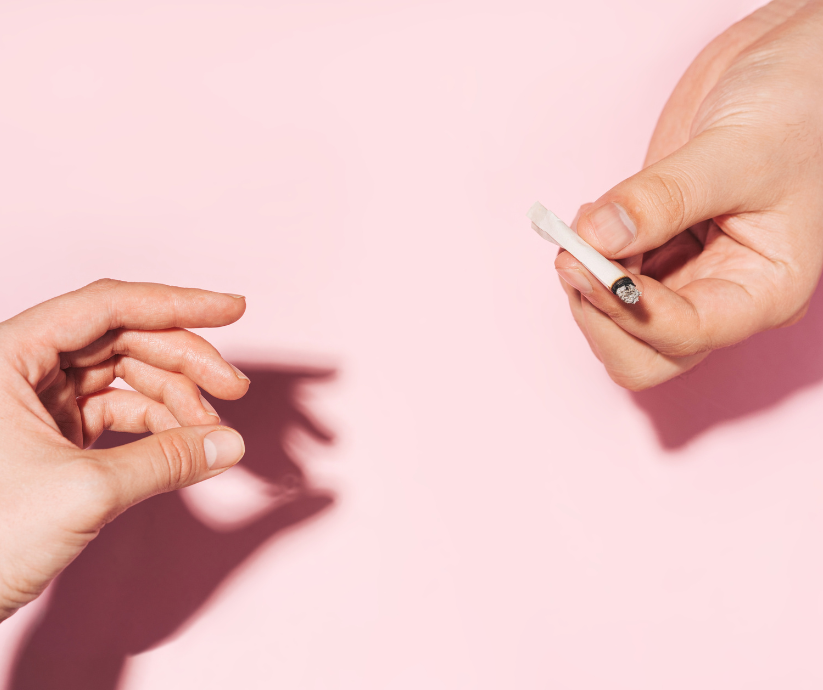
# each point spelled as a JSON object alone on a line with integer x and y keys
{"x": 626, "y": 290}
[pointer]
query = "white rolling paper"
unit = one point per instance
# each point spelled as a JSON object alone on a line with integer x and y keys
{"x": 551, "y": 228}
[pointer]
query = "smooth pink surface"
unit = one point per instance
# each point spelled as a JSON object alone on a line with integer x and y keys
{"x": 501, "y": 515}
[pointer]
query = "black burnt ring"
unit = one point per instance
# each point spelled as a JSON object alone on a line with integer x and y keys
{"x": 623, "y": 282}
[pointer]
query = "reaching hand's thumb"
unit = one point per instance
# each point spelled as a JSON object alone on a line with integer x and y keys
{"x": 171, "y": 460}
{"x": 708, "y": 177}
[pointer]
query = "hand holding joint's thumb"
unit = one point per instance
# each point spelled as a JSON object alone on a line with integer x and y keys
{"x": 708, "y": 177}
{"x": 612, "y": 228}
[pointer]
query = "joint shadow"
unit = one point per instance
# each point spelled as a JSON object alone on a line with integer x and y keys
{"x": 148, "y": 573}
{"x": 738, "y": 381}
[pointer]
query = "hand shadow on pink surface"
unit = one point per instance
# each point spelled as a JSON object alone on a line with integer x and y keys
{"x": 150, "y": 572}
{"x": 738, "y": 381}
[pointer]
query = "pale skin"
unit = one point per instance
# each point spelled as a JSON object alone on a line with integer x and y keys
{"x": 726, "y": 243}
{"x": 57, "y": 361}
{"x": 721, "y": 230}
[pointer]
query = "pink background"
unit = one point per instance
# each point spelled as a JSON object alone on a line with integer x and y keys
{"x": 492, "y": 512}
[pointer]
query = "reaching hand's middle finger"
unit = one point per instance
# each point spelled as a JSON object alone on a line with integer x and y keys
{"x": 174, "y": 349}
{"x": 176, "y": 391}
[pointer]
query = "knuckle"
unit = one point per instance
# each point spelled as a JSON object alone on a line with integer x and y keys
{"x": 797, "y": 316}
{"x": 683, "y": 348}
{"x": 670, "y": 195}
{"x": 158, "y": 418}
{"x": 180, "y": 461}
{"x": 196, "y": 352}
{"x": 93, "y": 487}
{"x": 174, "y": 388}
{"x": 120, "y": 365}
{"x": 635, "y": 380}
{"x": 165, "y": 388}
{"x": 120, "y": 340}
{"x": 635, "y": 374}
{"x": 103, "y": 285}
{"x": 684, "y": 332}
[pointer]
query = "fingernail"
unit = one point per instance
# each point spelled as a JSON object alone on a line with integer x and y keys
{"x": 580, "y": 212}
{"x": 612, "y": 227}
{"x": 573, "y": 224}
{"x": 208, "y": 407}
{"x": 235, "y": 296}
{"x": 239, "y": 373}
{"x": 223, "y": 448}
{"x": 576, "y": 279}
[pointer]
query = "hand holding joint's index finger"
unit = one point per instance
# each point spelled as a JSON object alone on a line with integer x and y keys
{"x": 706, "y": 314}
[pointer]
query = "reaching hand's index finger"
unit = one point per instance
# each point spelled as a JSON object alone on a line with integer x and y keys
{"x": 74, "y": 320}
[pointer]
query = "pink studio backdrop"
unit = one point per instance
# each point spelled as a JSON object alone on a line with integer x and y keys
{"x": 488, "y": 510}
